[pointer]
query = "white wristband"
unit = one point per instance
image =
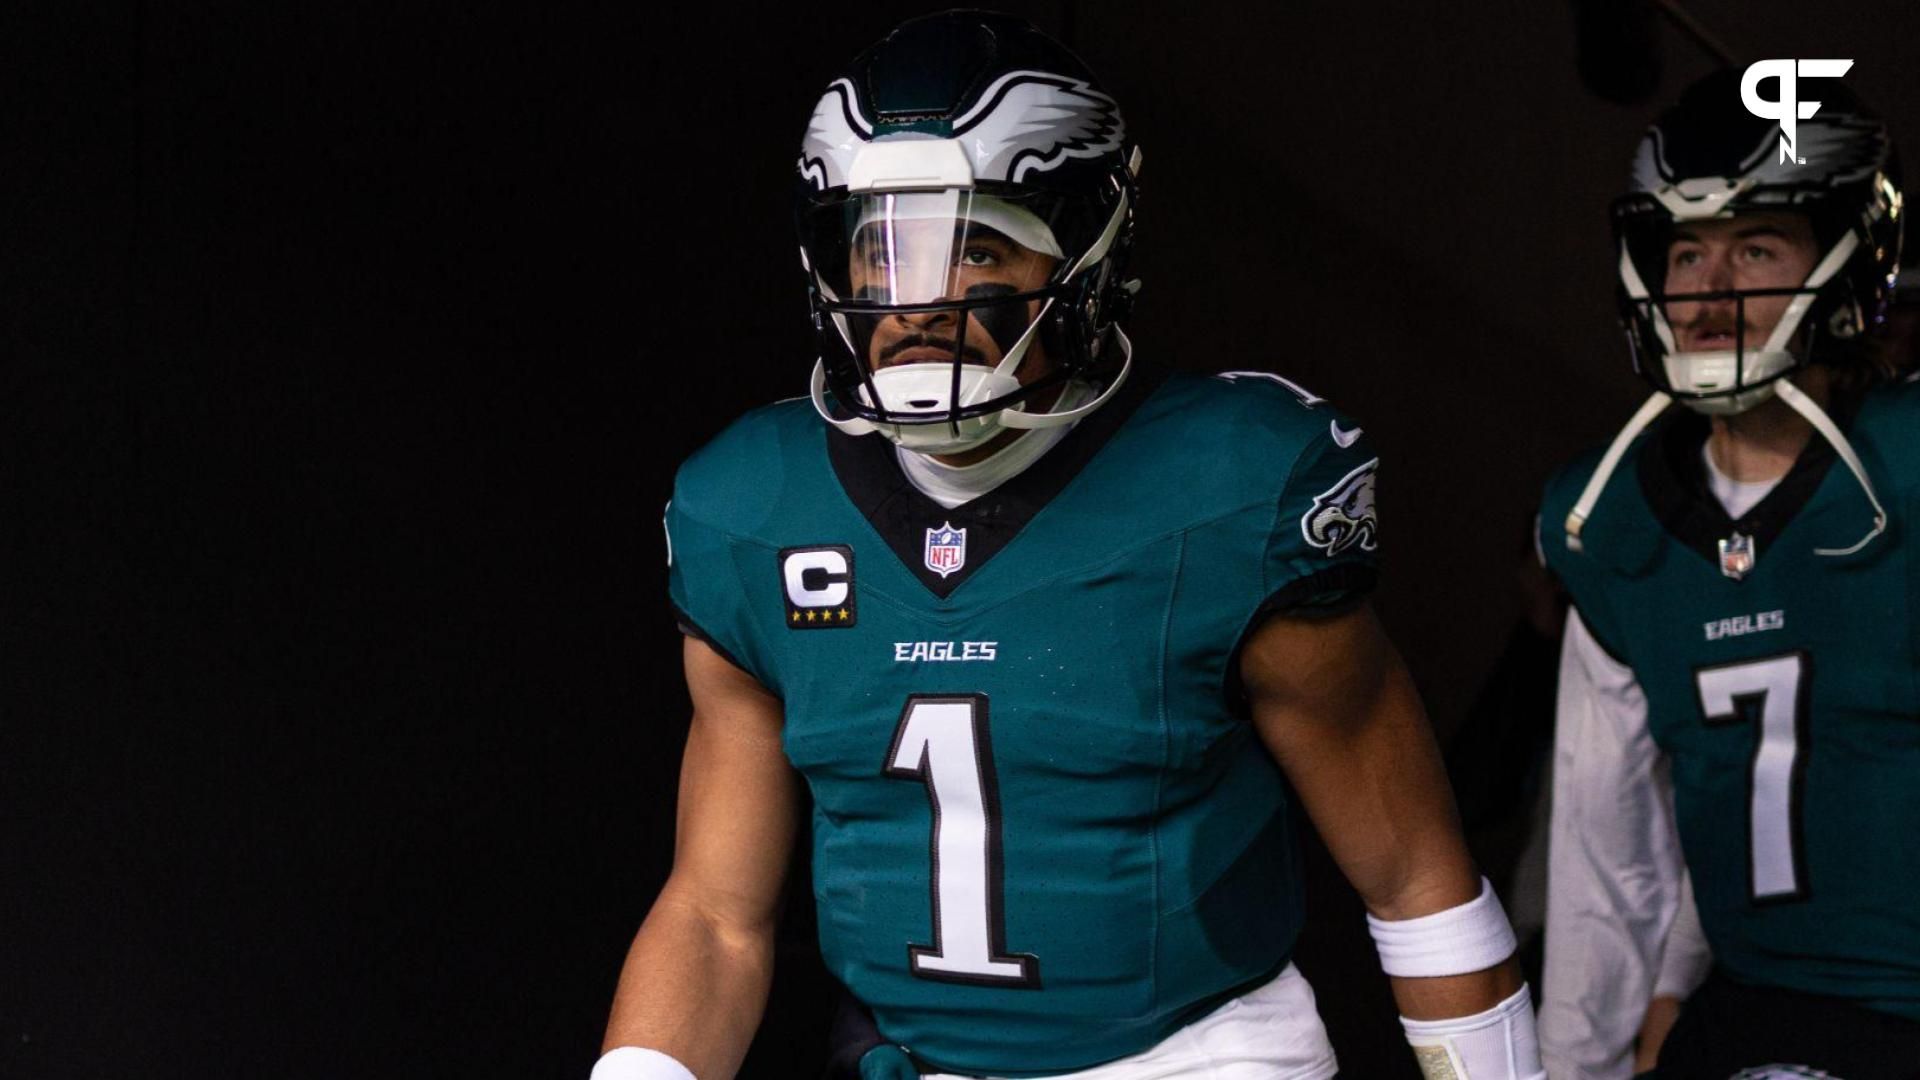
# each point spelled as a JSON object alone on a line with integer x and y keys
{"x": 634, "y": 1063}
{"x": 1499, "y": 1044}
{"x": 1471, "y": 937}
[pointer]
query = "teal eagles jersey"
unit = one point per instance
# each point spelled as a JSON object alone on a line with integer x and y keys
{"x": 1045, "y": 834}
{"x": 1781, "y": 684}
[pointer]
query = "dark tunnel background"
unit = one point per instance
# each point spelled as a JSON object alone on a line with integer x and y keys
{"x": 349, "y": 350}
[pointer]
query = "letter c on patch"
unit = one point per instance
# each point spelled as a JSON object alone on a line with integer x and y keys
{"x": 824, "y": 586}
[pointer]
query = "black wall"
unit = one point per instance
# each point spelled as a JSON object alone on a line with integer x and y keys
{"x": 348, "y": 353}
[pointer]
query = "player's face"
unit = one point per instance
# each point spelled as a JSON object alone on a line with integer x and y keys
{"x": 952, "y": 263}
{"x": 1766, "y": 250}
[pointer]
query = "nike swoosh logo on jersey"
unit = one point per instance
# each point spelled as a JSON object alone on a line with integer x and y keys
{"x": 1344, "y": 438}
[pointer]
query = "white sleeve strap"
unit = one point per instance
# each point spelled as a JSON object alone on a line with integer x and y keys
{"x": 1471, "y": 937}
{"x": 635, "y": 1063}
{"x": 1499, "y": 1044}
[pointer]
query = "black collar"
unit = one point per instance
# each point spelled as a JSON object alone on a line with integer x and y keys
{"x": 868, "y": 470}
{"x": 1673, "y": 477}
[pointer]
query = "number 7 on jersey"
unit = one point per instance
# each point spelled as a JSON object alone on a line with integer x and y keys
{"x": 1770, "y": 693}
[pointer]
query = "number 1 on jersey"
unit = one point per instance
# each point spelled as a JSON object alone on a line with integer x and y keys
{"x": 942, "y": 742}
{"x": 1771, "y": 691}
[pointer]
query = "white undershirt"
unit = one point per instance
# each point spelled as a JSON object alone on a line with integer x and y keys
{"x": 1619, "y": 928}
{"x": 951, "y": 485}
{"x": 1621, "y": 922}
{"x": 1738, "y": 496}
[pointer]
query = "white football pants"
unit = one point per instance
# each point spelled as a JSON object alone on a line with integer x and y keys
{"x": 1271, "y": 1032}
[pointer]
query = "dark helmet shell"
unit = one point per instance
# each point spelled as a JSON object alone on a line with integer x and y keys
{"x": 1710, "y": 157}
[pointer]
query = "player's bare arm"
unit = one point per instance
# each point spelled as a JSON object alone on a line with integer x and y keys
{"x": 1044, "y": 844}
{"x": 696, "y": 979}
{"x": 1338, "y": 710}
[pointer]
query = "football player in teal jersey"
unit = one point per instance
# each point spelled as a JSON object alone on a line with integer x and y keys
{"x": 1739, "y": 712}
{"x": 1062, "y": 648}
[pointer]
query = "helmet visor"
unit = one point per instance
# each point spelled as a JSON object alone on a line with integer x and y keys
{"x": 900, "y": 249}
{"x": 954, "y": 276}
{"x": 950, "y": 290}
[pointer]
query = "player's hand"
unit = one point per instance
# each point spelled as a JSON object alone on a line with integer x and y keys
{"x": 1661, "y": 1013}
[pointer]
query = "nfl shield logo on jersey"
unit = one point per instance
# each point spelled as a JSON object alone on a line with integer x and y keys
{"x": 1736, "y": 556}
{"x": 946, "y": 549}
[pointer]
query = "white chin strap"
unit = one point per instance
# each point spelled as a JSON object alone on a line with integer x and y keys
{"x": 924, "y": 388}
{"x": 1802, "y": 404}
{"x": 1583, "y": 506}
{"x": 1795, "y": 398}
{"x": 1019, "y": 417}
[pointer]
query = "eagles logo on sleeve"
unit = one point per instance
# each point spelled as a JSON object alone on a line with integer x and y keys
{"x": 1342, "y": 517}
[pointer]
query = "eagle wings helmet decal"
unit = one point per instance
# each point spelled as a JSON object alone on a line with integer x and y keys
{"x": 1031, "y": 121}
{"x": 1024, "y": 122}
{"x": 1342, "y": 516}
{"x": 1849, "y": 148}
{"x": 834, "y": 136}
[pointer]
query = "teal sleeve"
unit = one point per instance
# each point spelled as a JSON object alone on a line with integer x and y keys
{"x": 1579, "y": 574}
{"x": 705, "y": 581}
{"x": 1323, "y": 550}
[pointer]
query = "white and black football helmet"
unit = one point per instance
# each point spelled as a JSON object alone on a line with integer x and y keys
{"x": 1710, "y": 158}
{"x": 960, "y": 138}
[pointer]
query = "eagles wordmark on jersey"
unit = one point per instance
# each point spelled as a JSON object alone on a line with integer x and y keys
{"x": 1044, "y": 834}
